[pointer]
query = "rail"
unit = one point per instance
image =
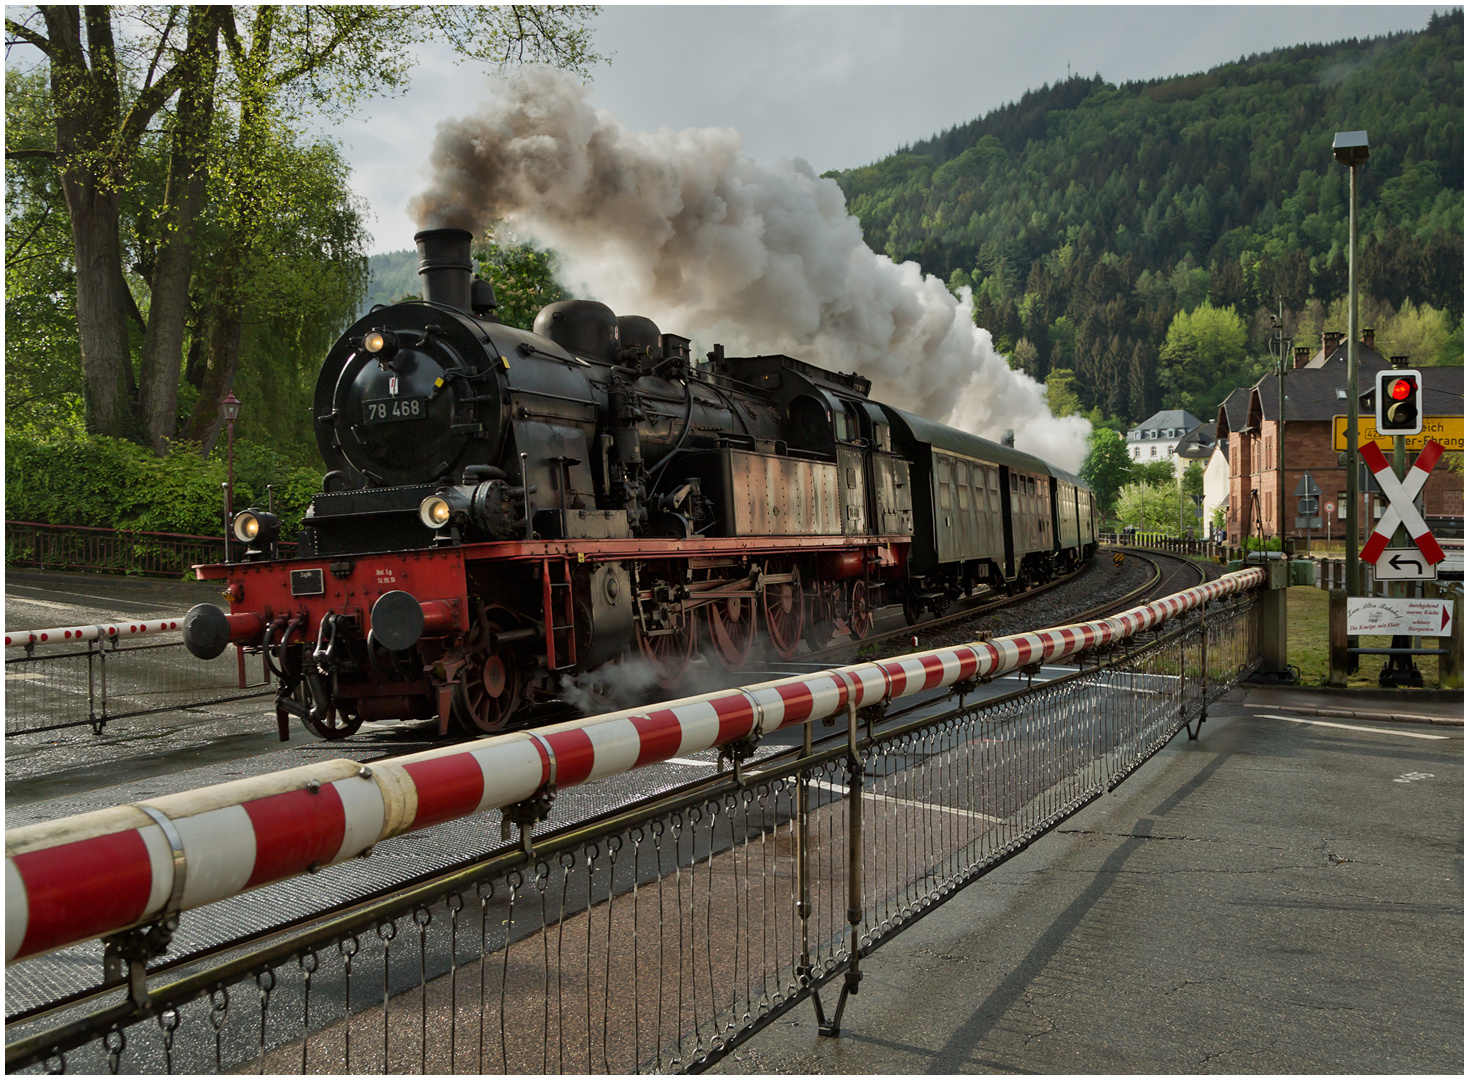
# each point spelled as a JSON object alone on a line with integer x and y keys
{"x": 116, "y": 551}
{"x": 661, "y": 937}
{"x": 84, "y": 676}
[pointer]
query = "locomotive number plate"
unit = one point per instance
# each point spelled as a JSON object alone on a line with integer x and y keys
{"x": 307, "y": 582}
{"x": 388, "y": 410}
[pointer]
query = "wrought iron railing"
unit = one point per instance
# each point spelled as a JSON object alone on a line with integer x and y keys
{"x": 659, "y": 938}
{"x": 53, "y": 686}
{"x": 117, "y": 551}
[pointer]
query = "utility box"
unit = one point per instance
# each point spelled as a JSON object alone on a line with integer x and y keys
{"x": 1277, "y": 574}
{"x": 1302, "y": 572}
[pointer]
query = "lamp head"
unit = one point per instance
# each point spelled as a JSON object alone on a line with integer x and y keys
{"x": 1350, "y": 147}
{"x": 230, "y": 407}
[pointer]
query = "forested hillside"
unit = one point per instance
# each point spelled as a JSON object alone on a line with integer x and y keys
{"x": 1107, "y": 230}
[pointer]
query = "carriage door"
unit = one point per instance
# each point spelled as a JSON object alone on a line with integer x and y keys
{"x": 851, "y": 469}
{"x": 1007, "y": 518}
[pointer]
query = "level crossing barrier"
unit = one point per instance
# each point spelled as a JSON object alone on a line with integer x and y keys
{"x": 80, "y": 676}
{"x": 657, "y": 938}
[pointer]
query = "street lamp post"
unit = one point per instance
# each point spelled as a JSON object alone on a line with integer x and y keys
{"x": 1350, "y": 148}
{"x": 230, "y": 409}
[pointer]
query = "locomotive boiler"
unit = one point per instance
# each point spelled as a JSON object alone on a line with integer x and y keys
{"x": 504, "y": 510}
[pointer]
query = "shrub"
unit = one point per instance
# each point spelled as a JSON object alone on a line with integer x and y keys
{"x": 110, "y": 483}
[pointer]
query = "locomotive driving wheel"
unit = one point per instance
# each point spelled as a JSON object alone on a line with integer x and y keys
{"x": 486, "y": 693}
{"x": 732, "y": 630}
{"x": 821, "y": 616}
{"x": 488, "y": 688}
{"x": 785, "y": 609}
{"x": 859, "y": 611}
{"x": 669, "y": 652}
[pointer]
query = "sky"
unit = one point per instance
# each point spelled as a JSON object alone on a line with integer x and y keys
{"x": 835, "y": 86}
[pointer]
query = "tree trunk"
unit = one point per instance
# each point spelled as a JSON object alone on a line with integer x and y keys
{"x": 101, "y": 306}
{"x": 168, "y": 310}
{"x": 86, "y": 102}
{"x": 226, "y": 319}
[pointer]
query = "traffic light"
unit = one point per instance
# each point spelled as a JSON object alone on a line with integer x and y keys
{"x": 1399, "y": 402}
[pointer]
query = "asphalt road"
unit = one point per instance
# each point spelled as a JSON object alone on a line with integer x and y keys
{"x": 1284, "y": 895}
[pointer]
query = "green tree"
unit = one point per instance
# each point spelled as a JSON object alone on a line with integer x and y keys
{"x": 1061, "y": 396}
{"x": 1203, "y": 358}
{"x": 1193, "y": 479}
{"x": 1149, "y": 507}
{"x": 1153, "y": 472}
{"x": 120, "y": 76}
{"x": 1107, "y": 467}
{"x": 524, "y": 278}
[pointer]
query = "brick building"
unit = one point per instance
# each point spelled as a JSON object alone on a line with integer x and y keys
{"x": 1249, "y": 424}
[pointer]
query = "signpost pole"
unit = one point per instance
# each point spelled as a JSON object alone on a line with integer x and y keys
{"x": 1400, "y": 669}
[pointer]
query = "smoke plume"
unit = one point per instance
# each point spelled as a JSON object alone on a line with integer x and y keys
{"x": 681, "y": 227}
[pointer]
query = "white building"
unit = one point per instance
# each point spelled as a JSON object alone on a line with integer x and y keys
{"x": 1156, "y": 437}
{"x": 1216, "y": 482}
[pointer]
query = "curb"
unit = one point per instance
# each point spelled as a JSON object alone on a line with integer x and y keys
{"x": 1356, "y": 714}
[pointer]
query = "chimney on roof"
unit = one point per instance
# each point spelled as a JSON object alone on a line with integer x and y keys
{"x": 1368, "y": 334}
{"x": 1330, "y": 339}
{"x": 1303, "y": 355}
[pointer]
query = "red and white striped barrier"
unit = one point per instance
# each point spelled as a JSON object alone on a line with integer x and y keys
{"x": 91, "y": 633}
{"x": 95, "y": 874}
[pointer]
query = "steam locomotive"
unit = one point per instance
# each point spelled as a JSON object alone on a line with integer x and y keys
{"x": 505, "y": 510}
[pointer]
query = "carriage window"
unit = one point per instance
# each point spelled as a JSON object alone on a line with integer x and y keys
{"x": 884, "y": 437}
{"x": 841, "y": 426}
{"x": 1014, "y": 482}
{"x": 946, "y": 499}
{"x": 963, "y": 491}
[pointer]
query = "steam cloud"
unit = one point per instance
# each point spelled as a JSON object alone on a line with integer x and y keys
{"x": 681, "y": 227}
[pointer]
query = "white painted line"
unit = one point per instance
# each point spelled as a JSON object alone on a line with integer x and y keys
{"x": 908, "y": 802}
{"x": 1351, "y": 727}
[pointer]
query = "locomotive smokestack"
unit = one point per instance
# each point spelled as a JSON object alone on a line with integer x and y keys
{"x": 445, "y": 266}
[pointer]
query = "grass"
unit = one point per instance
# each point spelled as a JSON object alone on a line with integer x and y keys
{"x": 1308, "y": 647}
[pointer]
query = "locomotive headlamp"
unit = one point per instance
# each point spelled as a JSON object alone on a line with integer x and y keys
{"x": 247, "y": 526}
{"x": 257, "y": 529}
{"x": 382, "y": 344}
{"x": 434, "y": 512}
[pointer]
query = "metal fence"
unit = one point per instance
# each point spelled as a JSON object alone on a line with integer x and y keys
{"x": 66, "y": 685}
{"x": 660, "y": 938}
{"x": 117, "y": 551}
{"x": 1208, "y": 549}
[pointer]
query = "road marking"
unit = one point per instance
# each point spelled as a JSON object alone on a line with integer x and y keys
{"x": 17, "y": 599}
{"x": 909, "y": 802}
{"x": 1351, "y": 727}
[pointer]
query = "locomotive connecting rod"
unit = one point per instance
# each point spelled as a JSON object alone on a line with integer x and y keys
{"x": 96, "y": 874}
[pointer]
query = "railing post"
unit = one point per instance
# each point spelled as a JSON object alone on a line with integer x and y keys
{"x": 853, "y": 975}
{"x": 803, "y": 864}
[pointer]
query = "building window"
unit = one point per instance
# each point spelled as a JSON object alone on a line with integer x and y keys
{"x": 1341, "y": 506}
{"x": 1155, "y": 451}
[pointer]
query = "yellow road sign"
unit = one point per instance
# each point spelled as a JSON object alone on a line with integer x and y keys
{"x": 1448, "y": 430}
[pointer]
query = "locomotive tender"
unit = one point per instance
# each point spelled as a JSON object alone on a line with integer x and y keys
{"x": 507, "y": 509}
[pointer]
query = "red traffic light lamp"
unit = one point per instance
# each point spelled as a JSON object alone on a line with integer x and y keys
{"x": 1399, "y": 402}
